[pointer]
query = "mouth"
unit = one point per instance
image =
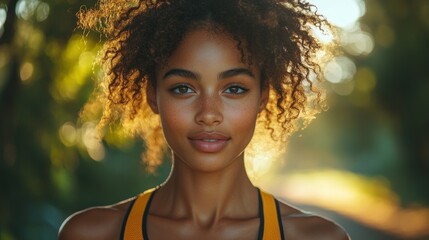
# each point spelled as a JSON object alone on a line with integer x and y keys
{"x": 209, "y": 142}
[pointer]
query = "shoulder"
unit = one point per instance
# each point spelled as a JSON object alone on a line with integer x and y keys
{"x": 300, "y": 225}
{"x": 95, "y": 223}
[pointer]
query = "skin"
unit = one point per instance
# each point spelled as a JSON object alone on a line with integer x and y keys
{"x": 208, "y": 101}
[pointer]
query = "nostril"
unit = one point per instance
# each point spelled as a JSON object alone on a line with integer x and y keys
{"x": 209, "y": 114}
{"x": 208, "y": 118}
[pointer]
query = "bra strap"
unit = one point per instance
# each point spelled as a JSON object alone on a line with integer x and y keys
{"x": 134, "y": 222}
{"x": 273, "y": 228}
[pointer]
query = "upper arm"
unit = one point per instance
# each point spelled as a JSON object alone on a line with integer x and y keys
{"x": 310, "y": 227}
{"x": 94, "y": 224}
{"x": 71, "y": 228}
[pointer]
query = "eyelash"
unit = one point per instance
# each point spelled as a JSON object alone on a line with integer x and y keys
{"x": 239, "y": 89}
{"x": 176, "y": 89}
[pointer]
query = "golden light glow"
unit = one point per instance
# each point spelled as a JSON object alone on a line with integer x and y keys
{"x": 262, "y": 152}
{"x": 324, "y": 36}
{"x": 369, "y": 201}
{"x": 71, "y": 77}
{"x": 344, "y": 13}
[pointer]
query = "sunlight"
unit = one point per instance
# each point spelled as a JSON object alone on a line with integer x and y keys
{"x": 369, "y": 201}
{"x": 351, "y": 38}
{"x": 262, "y": 152}
{"x": 343, "y": 14}
{"x": 259, "y": 159}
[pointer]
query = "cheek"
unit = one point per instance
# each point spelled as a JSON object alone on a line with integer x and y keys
{"x": 173, "y": 116}
{"x": 243, "y": 118}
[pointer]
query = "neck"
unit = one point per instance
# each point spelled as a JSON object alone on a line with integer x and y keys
{"x": 206, "y": 197}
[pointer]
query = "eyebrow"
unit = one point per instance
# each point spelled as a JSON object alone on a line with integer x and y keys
{"x": 235, "y": 72}
{"x": 181, "y": 73}
{"x": 226, "y": 74}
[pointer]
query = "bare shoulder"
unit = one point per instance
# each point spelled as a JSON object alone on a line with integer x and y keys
{"x": 299, "y": 225}
{"x": 95, "y": 223}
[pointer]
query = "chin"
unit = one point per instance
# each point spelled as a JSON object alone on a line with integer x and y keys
{"x": 209, "y": 163}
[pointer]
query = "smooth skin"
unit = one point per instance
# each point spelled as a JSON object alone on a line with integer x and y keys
{"x": 208, "y": 101}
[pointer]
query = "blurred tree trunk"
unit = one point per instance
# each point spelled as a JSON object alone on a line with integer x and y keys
{"x": 10, "y": 90}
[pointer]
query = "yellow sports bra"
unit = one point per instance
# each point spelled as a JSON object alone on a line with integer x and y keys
{"x": 134, "y": 224}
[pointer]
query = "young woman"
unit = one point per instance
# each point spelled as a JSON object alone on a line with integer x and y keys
{"x": 206, "y": 73}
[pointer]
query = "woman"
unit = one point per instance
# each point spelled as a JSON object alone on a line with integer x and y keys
{"x": 210, "y": 71}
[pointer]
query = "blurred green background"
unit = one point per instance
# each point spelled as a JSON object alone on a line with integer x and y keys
{"x": 364, "y": 162}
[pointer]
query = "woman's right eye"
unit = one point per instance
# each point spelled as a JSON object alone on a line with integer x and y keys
{"x": 182, "y": 89}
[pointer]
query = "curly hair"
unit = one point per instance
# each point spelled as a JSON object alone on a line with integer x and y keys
{"x": 141, "y": 35}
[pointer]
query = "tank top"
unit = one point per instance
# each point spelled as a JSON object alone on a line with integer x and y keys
{"x": 134, "y": 224}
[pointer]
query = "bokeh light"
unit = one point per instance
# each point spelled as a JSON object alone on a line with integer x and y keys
{"x": 357, "y": 42}
{"x": 86, "y": 137}
{"x": 3, "y": 16}
{"x": 352, "y": 39}
{"x": 92, "y": 142}
{"x": 68, "y": 134}
{"x": 26, "y": 71}
{"x": 27, "y": 9}
{"x": 42, "y": 12}
{"x": 339, "y": 69}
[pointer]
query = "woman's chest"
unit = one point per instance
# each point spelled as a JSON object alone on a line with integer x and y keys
{"x": 160, "y": 228}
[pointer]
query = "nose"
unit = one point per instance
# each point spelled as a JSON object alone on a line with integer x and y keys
{"x": 209, "y": 111}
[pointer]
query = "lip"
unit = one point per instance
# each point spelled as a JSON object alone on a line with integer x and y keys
{"x": 209, "y": 142}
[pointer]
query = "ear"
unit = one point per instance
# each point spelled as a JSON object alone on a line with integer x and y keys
{"x": 151, "y": 97}
{"x": 265, "y": 95}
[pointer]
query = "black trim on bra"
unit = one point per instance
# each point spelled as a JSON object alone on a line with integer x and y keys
{"x": 124, "y": 222}
{"x": 146, "y": 212}
{"x": 279, "y": 218}
{"x": 261, "y": 216}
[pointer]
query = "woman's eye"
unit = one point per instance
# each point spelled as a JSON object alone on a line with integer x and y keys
{"x": 182, "y": 89}
{"x": 235, "y": 90}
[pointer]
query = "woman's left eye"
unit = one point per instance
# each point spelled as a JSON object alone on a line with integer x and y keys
{"x": 236, "y": 90}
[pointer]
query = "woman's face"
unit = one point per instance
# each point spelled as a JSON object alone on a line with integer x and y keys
{"x": 208, "y": 101}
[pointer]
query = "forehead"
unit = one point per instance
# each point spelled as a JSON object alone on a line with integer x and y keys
{"x": 210, "y": 47}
